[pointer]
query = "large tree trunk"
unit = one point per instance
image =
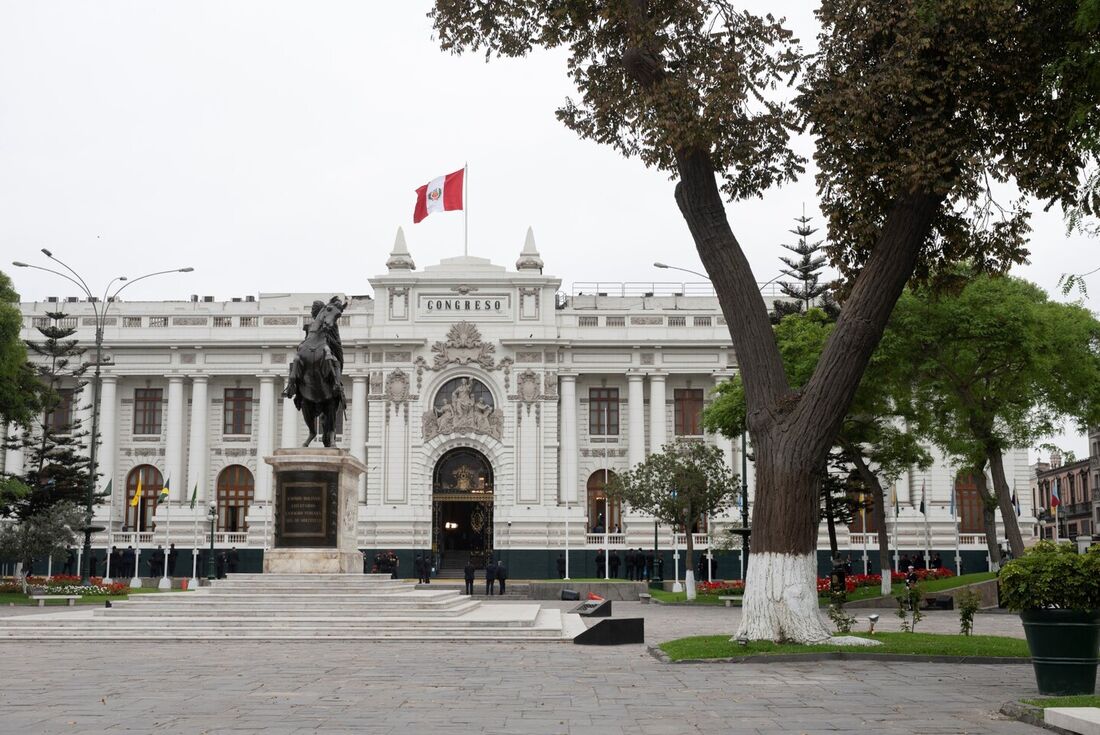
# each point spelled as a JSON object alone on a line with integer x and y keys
{"x": 689, "y": 566}
{"x": 989, "y": 518}
{"x": 1004, "y": 499}
{"x": 793, "y": 432}
{"x": 878, "y": 515}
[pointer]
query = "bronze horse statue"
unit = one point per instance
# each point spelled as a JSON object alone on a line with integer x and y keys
{"x": 314, "y": 380}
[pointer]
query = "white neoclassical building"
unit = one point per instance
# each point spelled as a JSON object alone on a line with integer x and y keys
{"x": 489, "y": 405}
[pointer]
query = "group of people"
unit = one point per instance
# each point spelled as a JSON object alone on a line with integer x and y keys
{"x": 424, "y": 568}
{"x": 638, "y": 566}
{"x": 496, "y": 573}
{"x": 917, "y": 562}
{"x": 385, "y": 562}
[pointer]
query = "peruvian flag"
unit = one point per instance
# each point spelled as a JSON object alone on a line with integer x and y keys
{"x": 441, "y": 194}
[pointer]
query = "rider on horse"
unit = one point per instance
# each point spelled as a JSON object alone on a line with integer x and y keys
{"x": 334, "y": 350}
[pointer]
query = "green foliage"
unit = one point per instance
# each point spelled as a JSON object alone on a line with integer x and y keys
{"x": 680, "y": 485}
{"x": 968, "y": 601}
{"x": 946, "y": 97}
{"x": 909, "y": 607}
{"x": 20, "y": 393}
{"x": 1051, "y": 575}
{"x": 47, "y": 532}
{"x": 807, "y": 288}
{"x": 840, "y": 617}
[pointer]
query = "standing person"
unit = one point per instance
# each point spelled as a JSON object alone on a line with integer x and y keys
{"x": 418, "y": 567}
{"x": 615, "y": 562}
{"x": 468, "y": 575}
{"x": 600, "y": 562}
{"x": 628, "y": 560}
{"x": 502, "y": 575}
{"x": 937, "y": 562}
{"x": 429, "y": 566}
{"x": 128, "y": 562}
{"x": 172, "y": 554}
{"x": 233, "y": 560}
{"x": 70, "y": 561}
{"x": 92, "y": 566}
{"x": 116, "y": 562}
{"x": 490, "y": 577}
{"x": 395, "y": 565}
{"x": 641, "y": 564}
{"x": 156, "y": 563}
{"x": 561, "y": 566}
{"x": 903, "y": 563}
{"x": 222, "y": 563}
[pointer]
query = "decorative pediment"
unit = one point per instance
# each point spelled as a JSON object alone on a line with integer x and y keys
{"x": 464, "y": 347}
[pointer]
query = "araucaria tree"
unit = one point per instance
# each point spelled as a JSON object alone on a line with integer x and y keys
{"x": 914, "y": 106}
{"x": 57, "y": 464}
{"x": 807, "y": 289}
{"x": 995, "y": 365}
{"x": 682, "y": 485}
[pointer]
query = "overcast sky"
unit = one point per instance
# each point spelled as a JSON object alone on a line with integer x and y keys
{"x": 260, "y": 141}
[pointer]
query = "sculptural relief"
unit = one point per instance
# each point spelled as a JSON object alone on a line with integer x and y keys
{"x": 461, "y": 412}
{"x": 463, "y": 346}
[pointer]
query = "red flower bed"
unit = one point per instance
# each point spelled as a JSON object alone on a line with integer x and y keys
{"x": 852, "y": 582}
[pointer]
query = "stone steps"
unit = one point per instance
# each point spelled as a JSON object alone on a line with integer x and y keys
{"x": 301, "y": 607}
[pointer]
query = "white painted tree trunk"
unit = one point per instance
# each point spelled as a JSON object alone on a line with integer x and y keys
{"x": 780, "y": 602}
{"x": 689, "y": 584}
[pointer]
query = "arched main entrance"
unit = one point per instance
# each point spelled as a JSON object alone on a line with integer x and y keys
{"x": 462, "y": 508}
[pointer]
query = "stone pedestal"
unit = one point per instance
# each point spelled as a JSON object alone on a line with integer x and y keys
{"x": 316, "y": 511}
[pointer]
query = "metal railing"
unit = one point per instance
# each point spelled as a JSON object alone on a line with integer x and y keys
{"x": 639, "y": 289}
{"x": 227, "y": 537}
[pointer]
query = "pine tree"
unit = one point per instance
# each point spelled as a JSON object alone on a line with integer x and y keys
{"x": 56, "y": 463}
{"x": 807, "y": 290}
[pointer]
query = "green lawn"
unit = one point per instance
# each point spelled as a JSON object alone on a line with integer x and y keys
{"x": 1081, "y": 700}
{"x": 935, "y": 585}
{"x": 664, "y": 596}
{"x": 592, "y": 580}
{"x": 18, "y": 598}
{"x": 928, "y": 644}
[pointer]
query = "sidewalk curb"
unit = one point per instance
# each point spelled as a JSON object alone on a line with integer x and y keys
{"x": 779, "y": 658}
{"x": 1031, "y": 715}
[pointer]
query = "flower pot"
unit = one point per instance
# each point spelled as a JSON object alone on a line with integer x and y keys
{"x": 1065, "y": 649}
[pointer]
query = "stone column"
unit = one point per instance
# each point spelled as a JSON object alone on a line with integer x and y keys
{"x": 288, "y": 434}
{"x": 568, "y": 460}
{"x": 636, "y": 426}
{"x": 358, "y": 433}
{"x": 196, "y": 458}
{"x": 106, "y": 457}
{"x": 265, "y": 438}
{"x": 13, "y": 458}
{"x": 657, "y": 427}
{"x": 173, "y": 450}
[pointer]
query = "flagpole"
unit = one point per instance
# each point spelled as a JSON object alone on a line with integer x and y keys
{"x": 927, "y": 503}
{"x": 863, "y": 525}
{"x": 164, "y": 584}
{"x": 465, "y": 209}
{"x": 135, "y": 581}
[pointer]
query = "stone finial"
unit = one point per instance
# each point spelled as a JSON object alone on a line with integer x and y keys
{"x": 399, "y": 259}
{"x": 529, "y": 259}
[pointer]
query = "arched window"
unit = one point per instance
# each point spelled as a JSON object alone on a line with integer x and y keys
{"x": 604, "y": 516}
{"x": 236, "y": 489}
{"x": 140, "y": 517}
{"x": 463, "y": 470}
{"x": 863, "y": 521}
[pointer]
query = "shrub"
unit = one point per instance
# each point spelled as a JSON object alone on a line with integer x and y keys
{"x": 1050, "y": 575}
{"x": 968, "y": 601}
{"x": 909, "y": 608}
{"x": 840, "y": 617}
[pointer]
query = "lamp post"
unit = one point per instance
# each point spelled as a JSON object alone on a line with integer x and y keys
{"x": 212, "y": 514}
{"x": 100, "y": 313}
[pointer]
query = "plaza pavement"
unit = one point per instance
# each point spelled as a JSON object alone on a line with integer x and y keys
{"x": 381, "y": 688}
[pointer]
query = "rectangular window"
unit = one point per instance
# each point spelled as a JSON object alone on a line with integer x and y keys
{"x": 61, "y": 417}
{"x": 603, "y": 411}
{"x": 238, "y": 411}
{"x": 147, "y": 410}
{"x": 223, "y": 321}
{"x": 131, "y": 321}
{"x": 688, "y": 411}
{"x": 248, "y": 321}
{"x": 158, "y": 321}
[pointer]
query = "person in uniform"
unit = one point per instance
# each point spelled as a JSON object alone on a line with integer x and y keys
{"x": 615, "y": 563}
{"x": 561, "y": 566}
{"x": 490, "y": 577}
{"x": 468, "y": 576}
{"x": 502, "y": 575}
{"x": 233, "y": 560}
{"x": 418, "y": 567}
{"x": 172, "y": 555}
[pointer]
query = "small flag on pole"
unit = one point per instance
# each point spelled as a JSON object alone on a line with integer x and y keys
{"x": 163, "y": 496}
{"x": 1055, "y": 501}
{"x": 922, "y": 497}
{"x": 894, "y": 497}
{"x": 107, "y": 491}
{"x": 194, "y": 495}
{"x": 137, "y": 494}
{"x": 441, "y": 194}
{"x": 1016, "y": 503}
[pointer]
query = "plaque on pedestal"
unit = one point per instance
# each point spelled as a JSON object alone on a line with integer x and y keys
{"x": 316, "y": 512}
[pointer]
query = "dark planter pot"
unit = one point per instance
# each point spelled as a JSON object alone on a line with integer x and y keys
{"x": 1065, "y": 649}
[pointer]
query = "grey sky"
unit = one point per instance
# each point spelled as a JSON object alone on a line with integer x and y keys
{"x": 244, "y": 138}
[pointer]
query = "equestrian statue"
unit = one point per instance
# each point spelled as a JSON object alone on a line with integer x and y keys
{"x": 314, "y": 380}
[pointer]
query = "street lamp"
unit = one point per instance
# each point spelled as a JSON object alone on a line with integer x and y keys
{"x": 100, "y": 313}
{"x": 212, "y": 514}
